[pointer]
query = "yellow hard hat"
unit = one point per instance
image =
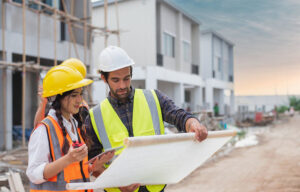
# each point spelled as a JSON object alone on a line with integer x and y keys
{"x": 60, "y": 79}
{"x": 76, "y": 64}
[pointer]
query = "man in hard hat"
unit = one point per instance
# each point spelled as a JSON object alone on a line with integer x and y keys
{"x": 129, "y": 112}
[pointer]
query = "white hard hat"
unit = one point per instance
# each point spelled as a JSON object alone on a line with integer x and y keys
{"x": 113, "y": 58}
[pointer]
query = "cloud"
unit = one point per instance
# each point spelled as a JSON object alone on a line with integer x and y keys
{"x": 265, "y": 34}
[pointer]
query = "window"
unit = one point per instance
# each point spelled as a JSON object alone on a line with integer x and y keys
{"x": 17, "y": 1}
{"x": 33, "y": 5}
{"x": 186, "y": 51}
{"x": 195, "y": 69}
{"x": 187, "y": 96}
{"x": 169, "y": 45}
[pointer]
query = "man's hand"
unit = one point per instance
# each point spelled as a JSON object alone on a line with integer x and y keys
{"x": 129, "y": 188}
{"x": 193, "y": 125}
{"x": 98, "y": 165}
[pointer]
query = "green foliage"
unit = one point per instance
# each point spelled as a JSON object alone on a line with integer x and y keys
{"x": 241, "y": 134}
{"x": 295, "y": 102}
{"x": 282, "y": 109}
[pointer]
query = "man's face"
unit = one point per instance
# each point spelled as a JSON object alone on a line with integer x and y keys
{"x": 119, "y": 82}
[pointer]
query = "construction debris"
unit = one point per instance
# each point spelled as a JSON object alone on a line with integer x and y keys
{"x": 13, "y": 165}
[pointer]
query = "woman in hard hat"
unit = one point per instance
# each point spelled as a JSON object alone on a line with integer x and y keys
{"x": 84, "y": 108}
{"x": 57, "y": 151}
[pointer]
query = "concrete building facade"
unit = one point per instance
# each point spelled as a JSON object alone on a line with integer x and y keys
{"x": 13, "y": 49}
{"x": 164, "y": 42}
{"x": 217, "y": 71}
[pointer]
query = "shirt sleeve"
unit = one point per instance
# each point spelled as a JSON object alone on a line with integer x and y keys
{"x": 171, "y": 113}
{"x": 38, "y": 155}
{"x": 95, "y": 146}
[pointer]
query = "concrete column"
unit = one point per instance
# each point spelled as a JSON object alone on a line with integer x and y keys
{"x": 9, "y": 104}
{"x": 197, "y": 99}
{"x": 151, "y": 79}
{"x": 209, "y": 97}
{"x": 232, "y": 100}
{"x": 179, "y": 94}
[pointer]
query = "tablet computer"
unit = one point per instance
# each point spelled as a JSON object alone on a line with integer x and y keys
{"x": 108, "y": 150}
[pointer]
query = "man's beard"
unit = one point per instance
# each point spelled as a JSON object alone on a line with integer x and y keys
{"x": 120, "y": 97}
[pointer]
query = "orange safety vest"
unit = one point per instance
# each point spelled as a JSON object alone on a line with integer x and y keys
{"x": 75, "y": 172}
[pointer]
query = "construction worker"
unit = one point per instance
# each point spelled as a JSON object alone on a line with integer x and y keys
{"x": 57, "y": 150}
{"x": 83, "y": 110}
{"x": 129, "y": 112}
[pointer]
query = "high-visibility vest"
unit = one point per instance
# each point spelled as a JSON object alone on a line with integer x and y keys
{"x": 75, "y": 172}
{"x": 146, "y": 120}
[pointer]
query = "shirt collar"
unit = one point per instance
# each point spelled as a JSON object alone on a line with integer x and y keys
{"x": 116, "y": 102}
{"x": 66, "y": 123}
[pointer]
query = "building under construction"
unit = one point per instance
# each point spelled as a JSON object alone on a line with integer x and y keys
{"x": 35, "y": 35}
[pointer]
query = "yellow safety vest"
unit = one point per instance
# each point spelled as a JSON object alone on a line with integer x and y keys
{"x": 146, "y": 120}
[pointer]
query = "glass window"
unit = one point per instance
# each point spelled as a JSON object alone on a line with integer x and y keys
{"x": 169, "y": 45}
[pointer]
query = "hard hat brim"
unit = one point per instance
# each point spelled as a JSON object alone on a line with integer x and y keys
{"x": 82, "y": 83}
{"x": 108, "y": 69}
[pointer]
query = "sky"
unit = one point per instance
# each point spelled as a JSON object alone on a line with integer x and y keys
{"x": 266, "y": 35}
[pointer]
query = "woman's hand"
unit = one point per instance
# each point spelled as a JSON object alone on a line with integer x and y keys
{"x": 77, "y": 154}
{"x": 73, "y": 155}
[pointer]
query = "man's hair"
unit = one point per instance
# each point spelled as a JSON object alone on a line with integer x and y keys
{"x": 105, "y": 74}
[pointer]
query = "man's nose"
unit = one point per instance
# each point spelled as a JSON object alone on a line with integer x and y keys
{"x": 122, "y": 85}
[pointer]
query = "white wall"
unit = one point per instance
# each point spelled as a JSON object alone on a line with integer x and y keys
{"x": 186, "y": 36}
{"x": 169, "y": 24}
{"x": 14, "y": 34}
{"x": 206, "y": 55}
{"x": 257, "y": 102}
{"x": 138, "y": 31}
{"x": 167, "y": 88}
{"x": 195, "y": 45}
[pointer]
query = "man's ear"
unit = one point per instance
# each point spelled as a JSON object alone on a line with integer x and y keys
{"x": 103, "y": 78}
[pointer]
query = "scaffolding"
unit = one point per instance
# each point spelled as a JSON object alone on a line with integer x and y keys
{"x": 72, "y": 22}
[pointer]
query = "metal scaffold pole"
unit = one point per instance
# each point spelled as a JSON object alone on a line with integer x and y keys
{"x": 24, "y": 75}
{"x": 4, "y": 81}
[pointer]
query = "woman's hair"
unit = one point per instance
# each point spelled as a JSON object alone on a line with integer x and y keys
{"x": 56, "y": 105}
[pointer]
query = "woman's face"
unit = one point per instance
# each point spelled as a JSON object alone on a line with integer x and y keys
{"x": 70, "y": 104}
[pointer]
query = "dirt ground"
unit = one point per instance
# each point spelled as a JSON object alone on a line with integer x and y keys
{"x": 271, "y": 166}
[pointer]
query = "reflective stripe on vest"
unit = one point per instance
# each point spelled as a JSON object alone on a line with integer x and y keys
{"x": 153, "y": 109}
{"x": 146, "y": 120}
{"x": 57, "y": 183}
